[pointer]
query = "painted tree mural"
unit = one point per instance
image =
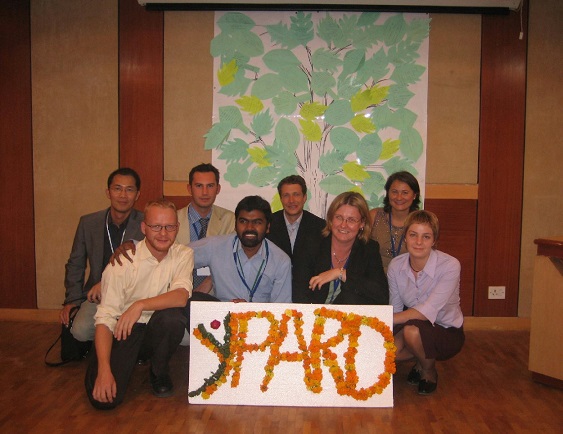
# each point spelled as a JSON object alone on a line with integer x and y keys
{"x": 328, "y": 98}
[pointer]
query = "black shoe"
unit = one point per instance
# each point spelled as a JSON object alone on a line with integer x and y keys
{"x": 161, "y": 385}
{"x": 426, "y": 387}
{"x": 414, "y": 376}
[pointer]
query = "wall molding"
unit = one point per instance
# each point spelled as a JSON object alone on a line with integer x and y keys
{"x": 452, "y": 191}
{"x": 471, "y": 322}
{"x": 433, "y": 191}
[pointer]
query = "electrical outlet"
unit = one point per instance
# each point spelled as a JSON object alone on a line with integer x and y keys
{"x": 497, "y": 292}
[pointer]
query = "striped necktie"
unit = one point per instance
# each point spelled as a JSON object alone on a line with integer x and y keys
{"x": 204, "y": 222}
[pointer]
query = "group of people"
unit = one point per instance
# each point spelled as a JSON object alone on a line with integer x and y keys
{"x": 138, "y": 308}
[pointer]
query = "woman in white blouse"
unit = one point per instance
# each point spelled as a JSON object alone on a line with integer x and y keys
{"x": 424, "y": 292}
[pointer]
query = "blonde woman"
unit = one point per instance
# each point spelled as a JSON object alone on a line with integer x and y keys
{"x": 424, "y": 292}
{"x": 347, "y": 268}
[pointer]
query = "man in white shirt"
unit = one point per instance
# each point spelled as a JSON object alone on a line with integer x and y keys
{"x": 141, "y": 310}
{"x": 200, "y": 219}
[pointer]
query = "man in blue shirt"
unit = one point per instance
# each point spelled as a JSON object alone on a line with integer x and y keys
{"x": 246, "y": 266}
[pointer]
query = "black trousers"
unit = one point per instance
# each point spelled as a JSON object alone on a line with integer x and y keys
{"x": 157, "y": 340}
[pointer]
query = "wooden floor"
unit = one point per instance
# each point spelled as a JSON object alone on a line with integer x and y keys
{"x": 485, "y": 389}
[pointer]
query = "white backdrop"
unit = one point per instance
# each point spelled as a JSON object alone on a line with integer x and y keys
{"x": 339, "y": 98}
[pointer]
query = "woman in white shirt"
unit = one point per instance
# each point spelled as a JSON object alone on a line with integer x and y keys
{"x": 424, "y": 292}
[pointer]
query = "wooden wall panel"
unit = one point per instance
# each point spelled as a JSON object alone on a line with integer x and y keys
{"x": 501, "y": 161}
{"x": 75, "y": 126}
{"x": 188, "y": 90}
{"x": 458, "y": 227}
{"x": 543, "y": 183}
{"x": 454, "y": 71}
{"x": 141, "y": 90}
{"x": 17, "y": 251}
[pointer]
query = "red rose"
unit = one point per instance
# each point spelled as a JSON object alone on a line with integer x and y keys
{"x": 215, "y": 324}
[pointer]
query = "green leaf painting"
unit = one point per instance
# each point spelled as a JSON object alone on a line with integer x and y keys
{"x": 338, "y": 98}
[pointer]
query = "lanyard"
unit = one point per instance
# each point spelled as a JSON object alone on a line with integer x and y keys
{"x": 393, "y": 251}
{"x": 335, "y": 290}
{"x": 109, "y": 236}
{"x": 240, "y": 270}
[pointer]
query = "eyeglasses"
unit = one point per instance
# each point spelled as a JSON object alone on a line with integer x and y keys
{"x": 158, "y": 228}
{"x": 349, "y": 220}
{"x": 121, "y": 189}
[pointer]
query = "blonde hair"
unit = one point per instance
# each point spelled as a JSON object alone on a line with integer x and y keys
{"x": 356, "y": 200}
{"x": 424, "y": 217}
{"x": 161, "y": 203}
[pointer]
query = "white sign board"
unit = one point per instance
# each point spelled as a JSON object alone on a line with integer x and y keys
{"x": 291, "y": 355}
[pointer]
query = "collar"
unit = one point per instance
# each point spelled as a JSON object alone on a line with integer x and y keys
{"x": 193, "y": 215}
{"x": 142, "y": 252}
{"x": 122, "y": 225}
{"x": 237, "y": 248}
{"x": 296, "y": 222}
{"x": 429, "y": 268}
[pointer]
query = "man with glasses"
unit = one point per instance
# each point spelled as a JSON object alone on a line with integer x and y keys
{"x": 97, "y": 236}
{"x": 141, "y": 310}
{"x": 296, "y": 231}
{"x": 200, "y": 219}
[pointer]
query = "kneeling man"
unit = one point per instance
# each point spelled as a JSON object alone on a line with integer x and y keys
{"x": 141, "y": 310}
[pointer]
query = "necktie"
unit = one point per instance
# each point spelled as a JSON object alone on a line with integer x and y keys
{"x": 203, "y": 231}
{"x": 204, "y": 222}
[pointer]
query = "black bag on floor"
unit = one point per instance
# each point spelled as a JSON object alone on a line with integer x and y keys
{"x": 71, "y": 349}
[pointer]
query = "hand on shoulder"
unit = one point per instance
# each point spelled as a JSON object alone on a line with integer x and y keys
{"x": 122, "y": 250}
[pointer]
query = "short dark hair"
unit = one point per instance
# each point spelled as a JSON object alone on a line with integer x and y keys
{"x": 203, "y": 168}
{"x": 254, "y": 203}
{"x": 125, "y": 171}
{"x": 293, "y": 179}
{"x": 408, "y": 179}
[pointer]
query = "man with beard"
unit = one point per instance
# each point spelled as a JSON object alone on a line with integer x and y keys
{"x": 246, "y": 266}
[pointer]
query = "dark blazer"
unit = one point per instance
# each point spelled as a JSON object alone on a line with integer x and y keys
{"x": 88, "y": 246}
{"x": 366, "y": 282}
{"x": 307, "y": 242}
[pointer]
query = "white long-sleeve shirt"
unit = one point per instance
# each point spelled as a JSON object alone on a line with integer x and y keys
{"x": 143, "y": 278}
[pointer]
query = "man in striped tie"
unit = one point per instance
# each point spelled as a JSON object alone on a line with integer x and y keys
{"x": 202, "y": 218}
